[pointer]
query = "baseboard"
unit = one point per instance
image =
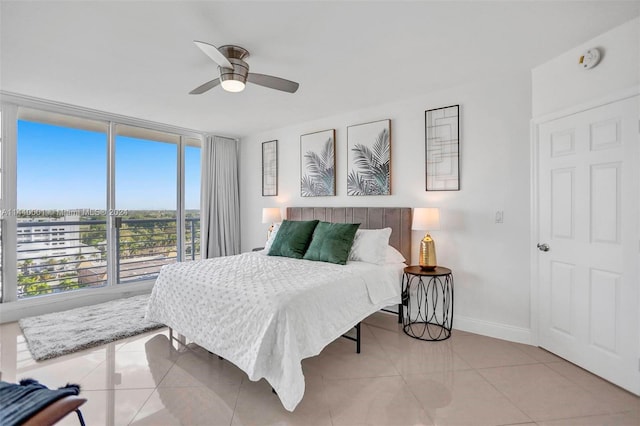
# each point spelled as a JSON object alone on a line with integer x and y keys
{"x": 485, "y": 328}
{"x": 13, "y": 311}
{"x": 493, "y": 329}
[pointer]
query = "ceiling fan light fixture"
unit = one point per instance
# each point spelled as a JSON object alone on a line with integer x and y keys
{"x": 234, "y": 71}
{"x": 234, "y": 79}
{"x": 233, "y": 85}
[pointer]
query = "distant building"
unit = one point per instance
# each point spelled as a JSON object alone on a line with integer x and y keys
{"x": 47, "y": 241}
{"x": 52, "y": 231}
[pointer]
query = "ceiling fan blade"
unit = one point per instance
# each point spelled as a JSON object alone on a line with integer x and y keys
{"x": 273, "y": 82}
{"x": 211, "y": 51}
{"x": 207, "y": 86}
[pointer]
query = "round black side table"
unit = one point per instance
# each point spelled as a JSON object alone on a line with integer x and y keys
{"x": 428, "y": 300}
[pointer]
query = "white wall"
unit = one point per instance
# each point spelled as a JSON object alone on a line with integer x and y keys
{"x": 490, "y": 261}
{"x": 562, "y": 83}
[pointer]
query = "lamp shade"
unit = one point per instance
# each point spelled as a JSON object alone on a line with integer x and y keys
{"x": 271, "y": 215}
{"x": 426, "y": 219}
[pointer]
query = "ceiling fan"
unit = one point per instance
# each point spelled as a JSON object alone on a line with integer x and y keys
{"x": 234, "y": 71}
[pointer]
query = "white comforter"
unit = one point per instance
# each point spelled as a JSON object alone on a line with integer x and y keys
{"x": 265, "y": 314}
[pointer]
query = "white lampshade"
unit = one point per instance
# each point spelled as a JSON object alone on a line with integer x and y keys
{"x": 426, "y": 219}
{"x": 271, "y": 215}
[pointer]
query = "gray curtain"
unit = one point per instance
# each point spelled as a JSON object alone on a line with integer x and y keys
{"x": 219, "y": 198}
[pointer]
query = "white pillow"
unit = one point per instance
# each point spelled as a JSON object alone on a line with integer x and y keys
{"x": 394, "y": 256}
{"x": 370, "y": 245}
{"x": 272, "y": 237}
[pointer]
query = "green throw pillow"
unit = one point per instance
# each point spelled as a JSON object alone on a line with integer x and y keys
{"x": 293, "y": 238}
{"x": 332, "y": 242}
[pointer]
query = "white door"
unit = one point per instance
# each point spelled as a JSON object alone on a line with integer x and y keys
{"x": 588, "y": 187}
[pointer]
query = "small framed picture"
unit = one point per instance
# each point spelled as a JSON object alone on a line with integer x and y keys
{"x": 318, "y": 164}
{"x": 270, "y": 168}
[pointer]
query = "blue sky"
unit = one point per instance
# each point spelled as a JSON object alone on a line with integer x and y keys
{"x": 65, "y": 168}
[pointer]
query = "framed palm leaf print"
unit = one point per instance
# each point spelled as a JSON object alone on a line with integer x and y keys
{"x": 318, "y": 164}
{"x": 369, "y": 158}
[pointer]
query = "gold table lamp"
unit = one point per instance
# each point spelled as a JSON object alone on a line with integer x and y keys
{"x": 427, "y": 219}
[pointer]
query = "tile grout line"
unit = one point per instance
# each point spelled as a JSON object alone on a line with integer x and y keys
{"x": 386, "y": 353}
{"x": 553, "y": 371}
{"x": 326, "y": 399}
{"x": 415, "y": 398}
{"x": 504, "y": 395}
{"x": 155, "y": 389}
{"x": 141, "y": 405}
{"x": 582, "y": 370}
{"x": 235, "y": 404}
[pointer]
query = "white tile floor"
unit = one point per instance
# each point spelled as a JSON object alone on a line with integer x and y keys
{"x": 396, "y": 380}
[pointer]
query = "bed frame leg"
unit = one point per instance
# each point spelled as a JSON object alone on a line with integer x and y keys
{"x": 273, "y": 390}
{"x": 355, "y": 339}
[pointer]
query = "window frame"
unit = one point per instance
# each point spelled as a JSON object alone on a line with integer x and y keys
{"x": 10, "y": 108}
{"x": 182, "y": 222}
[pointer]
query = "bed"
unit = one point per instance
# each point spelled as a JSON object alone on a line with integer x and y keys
{"x": 266, "y": 314}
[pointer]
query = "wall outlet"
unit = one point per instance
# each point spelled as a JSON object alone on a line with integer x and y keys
{"x": 499, "y": 216}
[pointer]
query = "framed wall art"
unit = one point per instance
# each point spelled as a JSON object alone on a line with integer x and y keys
{"x": 442, "y": 143}
{"x": 270, "y": 168}
{"x": 369, "y": 158}
{"x": 318, "y": 164}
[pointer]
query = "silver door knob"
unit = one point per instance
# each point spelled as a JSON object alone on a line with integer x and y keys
{"x": 543, "y": 247}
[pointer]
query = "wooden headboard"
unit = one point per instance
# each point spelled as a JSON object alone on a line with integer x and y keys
{"x": 396, "y": 218}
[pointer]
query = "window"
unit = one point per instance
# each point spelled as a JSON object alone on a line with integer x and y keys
{"x": 146, "y": 202}
{"x": 61, "y": 167}
{"x": 98, "y": 203}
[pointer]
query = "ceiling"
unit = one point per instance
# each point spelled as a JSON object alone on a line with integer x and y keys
{"x": 138, "y": 58}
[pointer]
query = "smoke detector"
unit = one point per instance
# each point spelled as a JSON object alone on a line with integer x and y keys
{"x": 590, "y": 58}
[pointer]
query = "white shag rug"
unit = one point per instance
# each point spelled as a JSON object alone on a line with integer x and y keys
{"x": 60, "y": 333}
